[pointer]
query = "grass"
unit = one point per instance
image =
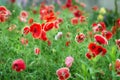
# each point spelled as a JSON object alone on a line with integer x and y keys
{"x": 51, "y": 58}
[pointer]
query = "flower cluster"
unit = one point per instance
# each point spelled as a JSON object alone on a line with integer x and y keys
{"x": 63, "y": 73}
{"x": 95, "y": 50}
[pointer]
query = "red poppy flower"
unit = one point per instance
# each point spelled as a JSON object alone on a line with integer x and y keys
{"x": 100, "y": 39}
{"x": 99, "y": 27}
{"x": 118, "y": 43}
{"x": 26, "y": 30}
{"x": 104, "y": 51}
{"x": 56, "y": 24}
{"x": 60, "y": 20}
{"x": 37, "y": 51}
{"x": 82, "y": 19}
{"x": 74, "y": 21}
{"x": 118, "y": 22}
{"x": 18, "y": 65}
{"x": 24, "y": 41}
{"x": 102, "y": 26}
{"x": 68, "y": 3}
{"x": 117, "y": 66}
{"x": 30, "y": 21}
{"x": 2, "y": 18}
{"x": 67, "y": 43}
{"x": 92, "y": 47}
{"x": 50, "y": 17}
{"x": 68, "y": 61}
{"x": 49, "y": 42}
{"x": 77, "y": 13}
{"x": 48, "y": 26}
{"x": 4, "y": 14}
{"x": 107, "y": 34}
{"x": 43, "y": 36}
{"x": 98, "y": 50}
{"x": 88, "y": 55}
{"x": 95, "y": 8}
{"x": 94, "y": 24}
{"x": 12, "y": 1}
{"x": 34, "y": 11}
{"x": 36, "y": 30}
{"x": 63, "y": 73}
{"x": 80, "y": 38}
{"x": 3, "y": 8}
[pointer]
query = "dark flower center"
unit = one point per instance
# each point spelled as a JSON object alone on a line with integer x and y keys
{"x": 99, "y": 49}
{"x": 35, "y": 30}
{"x": 93, "y": 47}
{"x": 16, "y": 66}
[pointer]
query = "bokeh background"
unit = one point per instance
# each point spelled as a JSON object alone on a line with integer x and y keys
{"x": 109, "y": 4}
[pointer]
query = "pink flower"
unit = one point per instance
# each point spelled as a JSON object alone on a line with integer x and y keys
{"x": 18, "y": 65}
{"x": 82, "y": 4}
{"x": 63, "y": 73}
{"x": 24, "y": 41}
{"x": 100, "y": 39}
{"x": 68, "y": 61}
{"x": 23, "y": 16}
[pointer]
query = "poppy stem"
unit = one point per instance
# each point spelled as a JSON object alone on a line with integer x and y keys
{"x": 116, "y": 8}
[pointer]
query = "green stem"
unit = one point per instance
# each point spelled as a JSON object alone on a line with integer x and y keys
{"x": 116, "y": 8}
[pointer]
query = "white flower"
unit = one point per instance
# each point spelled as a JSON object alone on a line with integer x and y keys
{"x": 59, "y": 34}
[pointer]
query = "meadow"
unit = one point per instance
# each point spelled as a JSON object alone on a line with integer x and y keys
{"x": 42, "y": 43}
